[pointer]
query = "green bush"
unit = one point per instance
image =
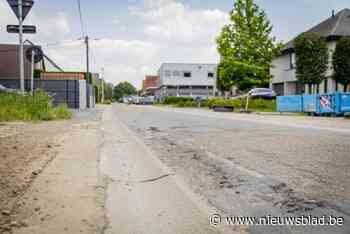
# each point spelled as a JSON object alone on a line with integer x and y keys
{"x": 27, "y": 108}
{"x": 62, "y": 112}
{"x": 254, "y": 104}
{"x": 236, "y": 103}
{"x": 176, "y": 100}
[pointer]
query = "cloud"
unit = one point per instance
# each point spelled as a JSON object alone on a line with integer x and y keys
{"x": 170, "y": 32}
{"x": 172, "y": 21}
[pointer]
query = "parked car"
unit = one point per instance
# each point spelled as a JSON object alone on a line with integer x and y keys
{"x": 149, "y": 100}
{"x": 262, "y": 93}
{"x": 7, "y": 90}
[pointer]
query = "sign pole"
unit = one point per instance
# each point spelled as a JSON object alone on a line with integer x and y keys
{"x": 32, "y": 75}
{"x": 21, "y": 61}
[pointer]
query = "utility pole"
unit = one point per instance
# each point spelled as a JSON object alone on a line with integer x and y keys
{"x": 87, "y": 56}
{"x": 103, "y": 85}
{"x": 21, "y": 50}
{"x": 32, "y": 75}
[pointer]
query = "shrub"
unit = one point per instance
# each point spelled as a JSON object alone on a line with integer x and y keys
{"x": 62, "y": 112}
{"x": 254, "y": 104}
{"x": 176, "y": 100}
{"x": 37, "y": 107}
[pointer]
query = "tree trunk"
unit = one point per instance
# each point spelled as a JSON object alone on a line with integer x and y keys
{"x": 336, "y": 86}
{"x": 345, "y": 88}
{"x": 317, "y": 88}
{"x": 310, "y": 88}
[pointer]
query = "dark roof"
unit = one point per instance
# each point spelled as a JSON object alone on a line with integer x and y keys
{"x": 334, "y": 27}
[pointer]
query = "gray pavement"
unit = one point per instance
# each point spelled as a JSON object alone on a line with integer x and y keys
{"x": 143, "y": 195}
{"x": 253, "y": 165}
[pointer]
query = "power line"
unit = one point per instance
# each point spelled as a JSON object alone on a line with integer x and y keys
{"x": 81, "y": 18}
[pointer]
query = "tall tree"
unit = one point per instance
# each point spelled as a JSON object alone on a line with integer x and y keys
{"x": 123, "y": 89}
{"x": 247, "y": 39}
{"x": 312, "y": 59}
{"x": 341, "y": 62}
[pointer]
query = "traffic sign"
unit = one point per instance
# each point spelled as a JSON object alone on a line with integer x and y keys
{"x": 38, "y": 54}
{"x": 30, "y": 29}
{"x": 26, "y": 6}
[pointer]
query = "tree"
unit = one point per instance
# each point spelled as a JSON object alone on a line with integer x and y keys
{"x": 108, "y": 90}
{"x": 341, "y": 62}
{"x": 312, "y": 59}
{"x": 247, "y": 39}
{"x": 123, "y": 89}
{"x": 242, "y": 75}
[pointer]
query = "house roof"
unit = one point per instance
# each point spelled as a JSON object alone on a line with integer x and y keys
{"x": 334, "y": 27}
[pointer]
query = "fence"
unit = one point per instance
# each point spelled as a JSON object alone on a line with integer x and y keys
{"x": 71, "y": 92}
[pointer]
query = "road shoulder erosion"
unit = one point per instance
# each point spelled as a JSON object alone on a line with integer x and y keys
{"x": 144, "y": 196}
{"x": 68, "y": 196}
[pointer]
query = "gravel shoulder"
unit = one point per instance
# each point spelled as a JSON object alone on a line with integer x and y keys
{"x": 49, "y": 176}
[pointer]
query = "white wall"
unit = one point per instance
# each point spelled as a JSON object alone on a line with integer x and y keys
{"x": 199, "y": 74}
{"x": 282, "y": 73}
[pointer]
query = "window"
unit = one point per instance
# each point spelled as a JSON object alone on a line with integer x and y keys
{"x": 187, "y": 74}
{"x": 210, "y": 75}
{"x": 291, "y": 60}
{"x": 167, "y": 73}
{"x": 176, "y": 73}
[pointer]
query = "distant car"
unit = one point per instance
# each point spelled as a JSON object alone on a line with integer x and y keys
{"x": 262, "y": 93}
{"x": 149, "y": 100}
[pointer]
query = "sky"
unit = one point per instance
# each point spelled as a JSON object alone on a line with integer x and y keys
{"x": 132, "y": 38}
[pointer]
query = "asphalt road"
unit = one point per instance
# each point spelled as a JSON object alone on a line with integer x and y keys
{"x": 248, "y": 165}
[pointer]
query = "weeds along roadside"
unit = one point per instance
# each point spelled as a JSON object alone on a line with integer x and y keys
{"x": 36, "y": 107}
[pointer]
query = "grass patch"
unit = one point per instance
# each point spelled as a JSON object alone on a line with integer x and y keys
{"x": 15, "y": 107}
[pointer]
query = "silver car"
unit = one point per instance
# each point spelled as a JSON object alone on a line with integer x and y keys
{"x": 262, "y": 93}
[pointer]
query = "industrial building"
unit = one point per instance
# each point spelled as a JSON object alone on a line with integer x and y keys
{"x": 187, "y": 80}
{"x": 150, "y": 84}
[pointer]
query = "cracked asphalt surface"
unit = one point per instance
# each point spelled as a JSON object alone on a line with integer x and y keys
{"x": 253, "y": 165}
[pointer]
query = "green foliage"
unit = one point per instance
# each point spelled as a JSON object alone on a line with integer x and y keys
{"x": 37, "y": 73}
{"x": 27, "y": 108}
{"x": 254, "y": 104}
{"x": 176, "y": 100}
{"x": 88, "y": 78}
{"x": 311, "y": 58}
{"x": 61, "y": 112}
{"x": 242, "y": 75}
{"x": 341, "y": 62}
{"x": 247, "y": 40}
{"x": 108, "y": 90}
{"x": 123, "y": 89}
{"x": 187, "y": 103}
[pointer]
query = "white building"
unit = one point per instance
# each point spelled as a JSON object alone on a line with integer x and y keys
{"x": 187, "y": 80}
{"x": 284, "y": 80}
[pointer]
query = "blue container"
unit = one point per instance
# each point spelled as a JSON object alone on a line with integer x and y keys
{"x": 320, "y": 104}
{"x": 289, "y": 103}
{"x": 310, "y": 103}
{"x": 342, "y": 101}
{"x": 327, "y": 104}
